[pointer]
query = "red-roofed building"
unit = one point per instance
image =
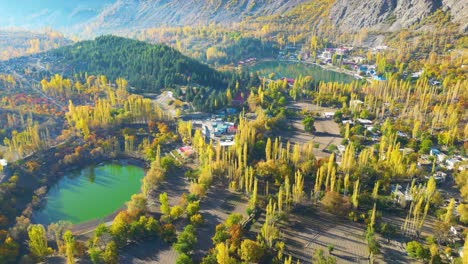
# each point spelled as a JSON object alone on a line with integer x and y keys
{"x": 239, "y": 98}
{"x": 289, "y": 80}
{"x": 232, "y": 129}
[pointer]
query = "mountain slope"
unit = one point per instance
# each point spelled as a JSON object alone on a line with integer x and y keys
{"x": 91, "y": 18}
{"x": 125, "y": 14}
{"x": 385, "y": 15}
{"x": 146, "y": 67}
{"x": 344, "y": 15}
{"x": 20, "y": 43}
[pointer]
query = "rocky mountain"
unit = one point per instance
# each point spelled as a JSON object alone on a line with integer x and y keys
{"x": 90, "y": 18}
{"x": 347, "y": 15}
{"x": 125, "y": 14}
{"x": 391, "y": 15}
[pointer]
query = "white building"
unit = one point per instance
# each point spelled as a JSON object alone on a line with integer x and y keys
{"x": 451, "y": 163}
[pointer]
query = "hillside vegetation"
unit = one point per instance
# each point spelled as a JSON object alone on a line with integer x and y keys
{"x": 20, "y": 43}
{"x": 147, "y": 67}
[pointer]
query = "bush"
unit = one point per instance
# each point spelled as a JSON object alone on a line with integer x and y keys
{"x": 193, "y": 208}
{"x": 176, "y": 212}
{"x": 308, "y": 123}
{"x": 168, "y": 233}
{"x": 184, "y": 259}
{"x": 197, "y": 219}
{"x": 186, "y": 240}
{"x": 416, "y": 250}
{"x": 334, "y": 203}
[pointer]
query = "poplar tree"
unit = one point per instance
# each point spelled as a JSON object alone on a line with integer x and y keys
{"x": 355, "y": 196}
{"x": 298, "y": 188}
{"x": 37, "y": 241}
{"x": 70, "y": 247}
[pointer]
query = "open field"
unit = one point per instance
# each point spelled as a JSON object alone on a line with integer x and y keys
{"x": 215, "y": 208}
{"x": 312, "y": 228}
{"x": 327, "y": 131}
{"x": 307, "y": 231}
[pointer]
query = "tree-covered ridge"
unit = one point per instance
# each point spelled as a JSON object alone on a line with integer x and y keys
{"x": 147, "y": 67}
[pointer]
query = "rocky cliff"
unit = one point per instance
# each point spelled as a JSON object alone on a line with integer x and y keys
{"x": 126, "y": 14}
{"x": 390, "y": 15}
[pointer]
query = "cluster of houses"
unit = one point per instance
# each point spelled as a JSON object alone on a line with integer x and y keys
{"x": 247, "y": 61}
{"x": 290, "y": 53}
{"x": 217, "y": 129}
{"x": 449, "y": 162}
{"x": 328, "y": 53}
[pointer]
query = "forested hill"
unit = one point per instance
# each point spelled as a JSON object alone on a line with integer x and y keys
{"x": 147, "y": 67}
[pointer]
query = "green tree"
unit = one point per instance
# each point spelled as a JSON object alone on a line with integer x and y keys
{"x": 111, "y": 254}
{"x": 197, "y": 219}
{"x": 184, "y": 259}
{"x": 70, "y": 247}
{"x": 38, "y": 241}
{"x": 186, "y": 240}
{"x": 308, "y": 123}
{"x": 165, "y": 208}
{"x": 416, "y": 250}
{"x": 193, "y": 208}
{"x": 222, "y": 255}
{"x": 137, "y": 204}
{"x": 176, "y": 212}
{"x": 233, "y": 219}
{"x": 95, "y": 255}
{"x": 251, "y": 251}
{"x": 168, "y": 163}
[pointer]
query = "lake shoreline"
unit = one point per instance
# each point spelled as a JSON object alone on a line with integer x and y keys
{"x": 323, "y": 67}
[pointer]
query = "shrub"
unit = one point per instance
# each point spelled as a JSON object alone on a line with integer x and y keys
{"x": 416, "y": 250}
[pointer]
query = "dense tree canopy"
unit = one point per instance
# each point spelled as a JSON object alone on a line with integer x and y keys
{"x": 146, "y": 67}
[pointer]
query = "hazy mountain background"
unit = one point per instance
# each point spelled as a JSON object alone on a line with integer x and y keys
{"x": 57, "y": 14}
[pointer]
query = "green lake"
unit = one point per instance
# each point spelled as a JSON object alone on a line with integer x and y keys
{"x": 285, "y": 69}
{"x": 90, "y": 193}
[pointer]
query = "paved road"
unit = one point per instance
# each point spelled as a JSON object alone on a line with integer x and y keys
{"x": 163, "y": 101}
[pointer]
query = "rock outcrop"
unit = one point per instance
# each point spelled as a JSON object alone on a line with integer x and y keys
{"x": 391, "y": 15}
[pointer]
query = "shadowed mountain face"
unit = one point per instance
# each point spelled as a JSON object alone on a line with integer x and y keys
{"x": 110, "y": 16}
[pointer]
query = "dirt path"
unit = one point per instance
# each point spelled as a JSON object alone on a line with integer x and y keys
{"x": 215, "y": 208}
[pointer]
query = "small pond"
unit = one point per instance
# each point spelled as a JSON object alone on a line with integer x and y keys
{"x": 90, "y": 193}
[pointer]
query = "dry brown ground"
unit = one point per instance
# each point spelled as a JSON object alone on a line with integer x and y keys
{"x": 327, "y": 131}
